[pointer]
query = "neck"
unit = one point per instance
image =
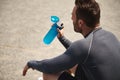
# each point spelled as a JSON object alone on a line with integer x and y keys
{"x": 88, "y": 30}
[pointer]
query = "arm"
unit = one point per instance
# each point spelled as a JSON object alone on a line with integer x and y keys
{"x": 65, "y": 61}
{"x": 54, "y": 65}
{"x": 65, "y": 42}
{"x": 58, "y": 64}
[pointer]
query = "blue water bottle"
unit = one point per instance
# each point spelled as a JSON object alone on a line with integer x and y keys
{"x": 52, "y": 33}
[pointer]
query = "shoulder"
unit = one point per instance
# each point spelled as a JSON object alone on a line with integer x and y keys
{"x": 102, "y": 32}
{"x": 80, "y": 46}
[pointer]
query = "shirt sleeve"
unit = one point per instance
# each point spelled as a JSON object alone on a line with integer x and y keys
{"x": 54, "y": 65}
{"x": 67, "y": 60}
{"x": 65, "y": 42}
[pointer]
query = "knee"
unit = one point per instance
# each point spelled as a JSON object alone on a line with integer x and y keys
{"x": 50, "y": 76}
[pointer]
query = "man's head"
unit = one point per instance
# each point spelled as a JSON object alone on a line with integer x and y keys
{"x": 85, "y": 13}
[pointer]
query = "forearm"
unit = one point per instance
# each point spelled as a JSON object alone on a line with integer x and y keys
{"x": 65, "y": 42}
{"x": 41, "y": 66}
{"x": 33, "y": 64}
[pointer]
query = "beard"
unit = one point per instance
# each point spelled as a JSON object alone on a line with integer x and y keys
{"x": 76, "y": 27}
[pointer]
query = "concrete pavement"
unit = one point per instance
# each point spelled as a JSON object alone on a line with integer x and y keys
{"x": 23, "y": 24}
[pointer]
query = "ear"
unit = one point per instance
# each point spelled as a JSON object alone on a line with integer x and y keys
{"x": 80, "y": 22}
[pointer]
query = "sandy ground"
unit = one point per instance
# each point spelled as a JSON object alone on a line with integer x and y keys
{"x": 23, "y": 24}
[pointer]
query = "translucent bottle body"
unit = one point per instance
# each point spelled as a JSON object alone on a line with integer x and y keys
{"x": 52, "y": 33}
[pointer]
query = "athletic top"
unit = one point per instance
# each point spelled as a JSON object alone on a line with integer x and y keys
{"x": 97, "y": 56}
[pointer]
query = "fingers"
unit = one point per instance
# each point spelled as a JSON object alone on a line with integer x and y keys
{"x": 60, "y": 32}
{"x": 25, "y": 70}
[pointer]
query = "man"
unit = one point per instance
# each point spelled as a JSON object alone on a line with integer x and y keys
{"x": 96, "y": 57}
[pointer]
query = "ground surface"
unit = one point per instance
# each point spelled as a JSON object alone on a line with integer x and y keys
{"x": 23, "y": 24}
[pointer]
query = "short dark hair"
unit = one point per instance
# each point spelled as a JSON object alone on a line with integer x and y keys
{"x": 89, "y": 11}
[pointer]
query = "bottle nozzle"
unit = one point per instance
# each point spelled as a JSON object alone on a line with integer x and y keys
{"x": 61, "y": 26}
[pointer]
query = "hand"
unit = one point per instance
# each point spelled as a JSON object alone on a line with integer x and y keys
{"x": 25, "y": 70}
{"x": 60, "y": 32}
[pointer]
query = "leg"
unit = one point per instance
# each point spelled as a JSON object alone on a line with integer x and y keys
{"x": 51, "y": 76}
{"x": 61, "y": 76}
{"x": 66, "y": 76}
{"x": 72, "y": 70}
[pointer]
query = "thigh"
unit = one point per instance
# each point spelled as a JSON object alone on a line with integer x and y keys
{"x": 61, "y": 75}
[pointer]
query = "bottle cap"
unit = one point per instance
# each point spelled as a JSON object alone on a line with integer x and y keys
{"x": 54, "y": 19}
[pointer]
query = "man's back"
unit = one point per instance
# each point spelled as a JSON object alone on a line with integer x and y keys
{"x": 102, "y": 61}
